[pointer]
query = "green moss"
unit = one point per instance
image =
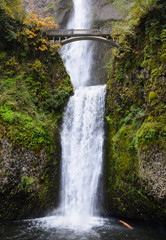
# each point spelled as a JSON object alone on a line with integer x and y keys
{"x": 25, "y": 183}
{"x": 135, "y": 112}
{"x": 125, "y": 191}
{"x": 152, "y": 96}
{"x": 32, "y": 100}
{"x": 34, "y": 89}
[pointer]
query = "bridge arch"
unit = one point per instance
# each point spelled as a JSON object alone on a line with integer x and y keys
{"x": 65, "y": 36}
{"x": 92, "y": 38}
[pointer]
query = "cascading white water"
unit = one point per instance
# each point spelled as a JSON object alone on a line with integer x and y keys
{"x": 82, "y": 143}
{"x": 82, "y": 135}
{"x": 82, "y": 132}
{"x": 77, "y": 56}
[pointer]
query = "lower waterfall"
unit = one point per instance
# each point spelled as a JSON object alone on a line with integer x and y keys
{"x": 82, "y": 140}
{"x": 82, "y": 146}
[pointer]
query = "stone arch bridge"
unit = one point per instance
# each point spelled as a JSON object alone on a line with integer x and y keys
{"x": 65, "y": 36}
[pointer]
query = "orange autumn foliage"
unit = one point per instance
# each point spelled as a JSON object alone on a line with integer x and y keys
{"x": 39, "y": 23}
{"x": 33, "y": 32}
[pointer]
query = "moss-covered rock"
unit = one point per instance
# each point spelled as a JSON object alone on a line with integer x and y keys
{"x": 31, "y": 109}
{"x": 34, "y": 89}
{"x": 135, "y": 115}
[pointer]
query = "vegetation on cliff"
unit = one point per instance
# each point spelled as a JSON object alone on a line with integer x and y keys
{"x": 136, "y": 116}
{"x": 34, "y": 88}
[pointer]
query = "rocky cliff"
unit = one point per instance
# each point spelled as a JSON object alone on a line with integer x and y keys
{"x": 61, "y": 9}
{"x": 31, "y": 109}
{"x": 58, "y": 9}
{"x": 34, "y": 88}
{"x": 135, "y": 105}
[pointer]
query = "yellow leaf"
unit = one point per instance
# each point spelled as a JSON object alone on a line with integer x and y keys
{"x": 43, "y": 48}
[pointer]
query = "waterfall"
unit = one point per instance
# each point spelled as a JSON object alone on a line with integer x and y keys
{"x": 82, "y": 144}
{"x": 82, "y": 130}
{"x": 77, "y": 56}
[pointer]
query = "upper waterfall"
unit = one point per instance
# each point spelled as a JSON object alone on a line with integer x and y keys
{"x": 81, "y": 17}
{"x": 78, "y": 56}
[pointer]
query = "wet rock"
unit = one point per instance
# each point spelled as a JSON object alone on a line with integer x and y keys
{"x": 29, "y": 181}
{"x": 152, "y": 170}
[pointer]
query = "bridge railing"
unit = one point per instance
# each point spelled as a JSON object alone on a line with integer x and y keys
{"x": 78, "y": 32}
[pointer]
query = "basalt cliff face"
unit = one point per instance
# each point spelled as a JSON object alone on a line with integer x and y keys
{"x": 61, "y": 9}
{"x": 135, "y": 113}
{"x": 34, "y": 88}
{"x": 30, "y": 150}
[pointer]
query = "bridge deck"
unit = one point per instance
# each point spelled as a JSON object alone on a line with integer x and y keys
{"x": 77, "y": 32}
{"x": 65, "y": 36}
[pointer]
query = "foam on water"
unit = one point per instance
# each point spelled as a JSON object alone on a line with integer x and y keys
{"x": 69, "y": 222}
